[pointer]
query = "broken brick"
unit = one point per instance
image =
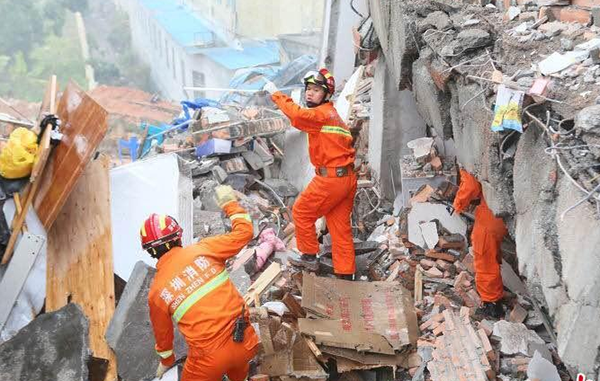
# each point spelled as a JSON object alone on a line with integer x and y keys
{"x": 468, "y": 263}
{"x": 433, "y": 273}
{"x": 436, "y": 164}
{"x": 423, "y": 194}
{"x": 487, "y": 326}
{"x": 460, "y": 279}
{"x": 587, "y": 4}
{"x": 441, "y": 300}
{"x": 427, "y": 263}
{"x": 465, "y": 311}
{"x": 518, "y": 314}
{"x": 443, "y": 265}
{"x": 487, "y": 346}
{"x": 440, "y": 328}
{"x": 440, "y": 255}
{"x": 571, "y": 14}
{"x": 454, "y": 241}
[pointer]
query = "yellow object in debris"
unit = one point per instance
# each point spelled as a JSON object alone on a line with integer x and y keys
{"x": 18, "y": 155}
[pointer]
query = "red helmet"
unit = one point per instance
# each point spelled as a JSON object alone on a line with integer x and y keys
{"x": 159, "y": 230}
{"x": 321, "y": 78}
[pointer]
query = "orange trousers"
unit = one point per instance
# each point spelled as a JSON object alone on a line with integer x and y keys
{"x": 487, "y": 259}
{"x": 231, "y": 359}
{"x": 332, "y": 197}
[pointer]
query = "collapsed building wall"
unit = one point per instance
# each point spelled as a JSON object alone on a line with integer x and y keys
{"x": 434, "y": 48}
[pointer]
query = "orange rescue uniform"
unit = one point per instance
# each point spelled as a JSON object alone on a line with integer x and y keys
{"x": 487, "y": 236}
{"x": 192, "y": 289}
{"x": 330, "y": 148}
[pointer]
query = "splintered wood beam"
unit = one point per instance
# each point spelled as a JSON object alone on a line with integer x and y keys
{"x": 264, "y": 281}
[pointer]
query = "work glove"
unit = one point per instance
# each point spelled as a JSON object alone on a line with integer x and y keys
{"x": 224, "y": 195}
{"x": 270, "y": 87}
{"x": 160, "y": 371}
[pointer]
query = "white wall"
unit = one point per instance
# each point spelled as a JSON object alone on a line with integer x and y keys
{"x": 151, "y": 50}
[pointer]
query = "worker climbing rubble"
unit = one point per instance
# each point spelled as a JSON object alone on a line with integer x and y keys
{"x": 331, "y": 192}
{"x": 487, "y": 236}
{"x": 192, "y": 288}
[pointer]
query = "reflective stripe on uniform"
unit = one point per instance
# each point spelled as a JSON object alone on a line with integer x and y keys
{"x": 199, "y": 294}
{"x": 245, "y": 216}
{"x": 336, "y": 130}
{"x": 165, "y": 354}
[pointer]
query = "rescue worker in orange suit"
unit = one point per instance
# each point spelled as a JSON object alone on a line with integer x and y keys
{"x": 192, "y": 289}
{"x": 488, "y": 232}
{"x": 331, "y": 192}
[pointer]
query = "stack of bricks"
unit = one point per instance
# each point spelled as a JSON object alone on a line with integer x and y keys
{"x": 461, "y": 353}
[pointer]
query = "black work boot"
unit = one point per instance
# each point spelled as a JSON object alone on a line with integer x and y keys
{"x": 345, "y": 276}
{"x": 306, "y": 261}
{"x": 490, "y": 309}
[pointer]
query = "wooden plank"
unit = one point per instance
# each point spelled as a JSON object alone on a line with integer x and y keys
{"x": 16, "y": 273}
{"x": 84, "y": 124}
{"x": 315, "y": 350}
{"x": 79, "y": 257}
{"x": 293, "y": 305}
{"x": 418, "y": 285}
{"x": 264, "y": 281}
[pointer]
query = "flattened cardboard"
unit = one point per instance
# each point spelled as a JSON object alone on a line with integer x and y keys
{"x": 365, "y": 358}
{"x": 383, "y": 308}
{"x": 336, "y": 333}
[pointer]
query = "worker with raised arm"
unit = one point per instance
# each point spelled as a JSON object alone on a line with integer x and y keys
{"x": 331, "y": 192}
{"x": 192, "y": 289}
{"x": 487, "y": 236}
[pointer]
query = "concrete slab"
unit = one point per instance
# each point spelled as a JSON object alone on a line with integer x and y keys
{"x": 53, "y": 346}
{"x": 425, "y": 212}
{"x": 130, "y": 332}
{"x": 162, "y": 185}
{"x": 514, "y": 337}
{"x": 207, "y": 224}
{"x": 430, "y": 234}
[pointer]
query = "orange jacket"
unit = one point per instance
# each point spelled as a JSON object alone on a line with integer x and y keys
{"x": 469, "y": 190}
{"x": 192, "y": 288}
{"x": 329, "y": 139}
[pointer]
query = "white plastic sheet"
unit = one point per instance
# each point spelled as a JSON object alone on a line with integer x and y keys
{"x": 31, "y": 299}
{"x": 162, "y": 185}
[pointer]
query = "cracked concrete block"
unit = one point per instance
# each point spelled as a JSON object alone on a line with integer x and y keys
{"x": 536, "y": 236}
{"x": 437, "y": 20}
{"x": 578, "y": 241}
{"x": 469, "y": 113}
{"x": 432, "y": 103}
{"x": 425, "y": 212}
{"x": 206, "y": 192}
{"x": 578, "y": 340}
{"x": 53, "y": 346}
{"x": 430, "y": 234}
{"x": 514, "y": 337}
{"x": 395, "y": 113}
{"x": 587, "y": 123}
{"x": 395, "y": 29}
{"x": 207, "y": 223}
{"x": 472, "y": 39}
{"x": 130, "y": 333}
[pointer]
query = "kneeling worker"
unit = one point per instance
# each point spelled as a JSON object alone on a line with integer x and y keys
{"x": 331, "y": 192}
{"x": 487, "y": 236}
{"x": 192, "y": 288}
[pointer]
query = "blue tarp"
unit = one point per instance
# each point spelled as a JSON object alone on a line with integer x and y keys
{"x": 180, "y": 22}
